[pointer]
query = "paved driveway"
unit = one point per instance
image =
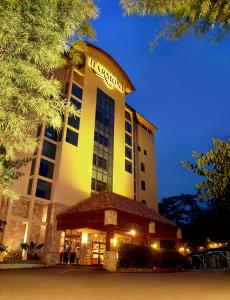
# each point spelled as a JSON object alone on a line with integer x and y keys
{"x": 86, "y": 283}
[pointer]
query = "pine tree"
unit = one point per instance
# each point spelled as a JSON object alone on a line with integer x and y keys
{"x": 204, "y": 17}
{"x": 33, "y": 38}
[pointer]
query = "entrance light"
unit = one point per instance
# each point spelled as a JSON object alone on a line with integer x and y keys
{"x": 133, "y": 232}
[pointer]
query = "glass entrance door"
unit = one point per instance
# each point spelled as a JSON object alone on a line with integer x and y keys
{"x": 98, "y": 249}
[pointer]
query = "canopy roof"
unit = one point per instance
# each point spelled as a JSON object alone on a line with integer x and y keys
{"x": 111, "y": 201}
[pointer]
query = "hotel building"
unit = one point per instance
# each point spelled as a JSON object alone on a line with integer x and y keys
{"x": 93, "y": 186}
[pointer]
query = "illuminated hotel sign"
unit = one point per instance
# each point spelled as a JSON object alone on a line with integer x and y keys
{"x": 101, "y": 71}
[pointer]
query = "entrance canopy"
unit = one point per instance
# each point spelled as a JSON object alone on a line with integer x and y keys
{"x": 109, "y": 211}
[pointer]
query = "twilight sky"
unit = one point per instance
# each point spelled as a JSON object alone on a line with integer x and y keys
{"x": 182, "y": 88}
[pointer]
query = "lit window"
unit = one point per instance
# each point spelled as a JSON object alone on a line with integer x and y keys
{"x": 128, "y": 166}
{"x": 49, "y": 149}
{"x": 77, "y": 91}
{"x": 128, "y": 152}
{"x": 46, "y": 169}
{"x": 143, "y": 185}
{"x": 72, "y": 137}
{"x": 43, "y": 189}
{"x": 128, "y": 139}
{"x": 128, "y": 127}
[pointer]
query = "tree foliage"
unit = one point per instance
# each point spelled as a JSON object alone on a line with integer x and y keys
{"x": 204, "y": 17}
{"x": 33, "y": 37}
{"x": 214, "y": 166}
{"x": 180, "y": 209}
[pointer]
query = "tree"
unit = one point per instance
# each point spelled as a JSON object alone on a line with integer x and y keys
{"x": 204, "y": 17}
{"x": 33, "y": 38}
{"x": 214, "y": 166}
{"x": 180, "y": 209}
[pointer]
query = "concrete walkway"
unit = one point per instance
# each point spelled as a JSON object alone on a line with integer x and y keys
{"x": 86, "y": 283}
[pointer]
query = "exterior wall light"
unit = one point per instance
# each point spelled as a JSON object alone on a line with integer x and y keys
{"x": 133, "y": 232}
{"x": 155, "y": 246}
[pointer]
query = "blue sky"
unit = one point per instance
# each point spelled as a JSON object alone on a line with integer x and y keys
{"x": 182, "y": 87}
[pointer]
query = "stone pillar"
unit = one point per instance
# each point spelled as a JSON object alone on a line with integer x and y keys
{"x": 110, "y": 261}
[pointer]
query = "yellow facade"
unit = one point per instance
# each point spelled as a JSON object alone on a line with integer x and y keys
{"x": 73, "y": 165}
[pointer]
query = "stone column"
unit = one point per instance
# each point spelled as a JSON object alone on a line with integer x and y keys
{"x": 110, "y": 261}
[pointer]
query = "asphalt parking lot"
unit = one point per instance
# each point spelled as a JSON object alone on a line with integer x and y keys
{"x": 81, "y": 283}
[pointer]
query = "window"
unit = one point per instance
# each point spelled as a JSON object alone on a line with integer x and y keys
{"x": 77, "y": 91}
{"x": 51, "y": 133}
{"x": 74, "y": 121}
{"x": 139, "y": 148}
{"x": 33, "y": 166}
{"x": 43, "y": 189}
{"x": 66, "y": 88}
{"x": 76, "y": 104}
{"x": 128, "y": 127}
{"x": 142, "y": 167}
{"x": 143, "y": 202}
{"x": 46, "y": 169}
{"x": 30, "y": 186}
{"x": 127, "y": 115}
{"x": 145, "y": 152}
{"x": 128, "y": 139}
{"x": 128, "y": 152}
{"x": 49, "y": 149}
{"x": 143, "y": 185}
{"x": 128, "y": 166}
{"x": 98, "y": 185}
{"x": 72, "y": 137}
{"x": 101, "y": 139}
{"x": 99, "y": 162}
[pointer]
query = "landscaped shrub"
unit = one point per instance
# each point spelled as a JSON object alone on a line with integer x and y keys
{"x": 173, "y": 259}
{"x": 138, "y": 256}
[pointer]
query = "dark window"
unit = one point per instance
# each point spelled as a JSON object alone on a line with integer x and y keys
{"x": 76, "y": 104}
{"x": 143, "y": 202}
{"x": 98, "y": 185}
{"x": 66, "y": 88}
{"x": 142, "y": 167}
{"x": 128, "y": 166}
{"x": 139, "y": 148}
{"x": 101, "y": 139}
{"x": 143, "y": 185}
{"x": 128, "y": 152}
{"x": 74, "y": 121}
{"x": 39, "y": 130}
{"x": 72, "y": 137}
{"x": 30, "y": 186}
{"x": 100, "y": 162}
{"x": 77, "y": 91}
{"x": 46, "y": 169}
{"x": 51, "y": 133}
{"x": 127, "y": 115}
{"x": 33, "y": 166}
{"x": 128, "y": 139}
{"x": 43, "y": 189}
{"x": 145, "y": 152}
{"x": 128, "y": 127}
{"x": 49, "y": 149}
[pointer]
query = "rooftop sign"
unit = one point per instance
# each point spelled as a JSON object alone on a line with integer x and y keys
{"x": 101, "y": 71}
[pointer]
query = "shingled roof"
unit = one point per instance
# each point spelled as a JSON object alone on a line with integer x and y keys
{"x": 108, "y": 200}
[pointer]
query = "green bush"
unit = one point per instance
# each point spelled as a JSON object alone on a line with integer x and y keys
{"x": 138, "y": 256}
{"x": 173, "y": 259}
